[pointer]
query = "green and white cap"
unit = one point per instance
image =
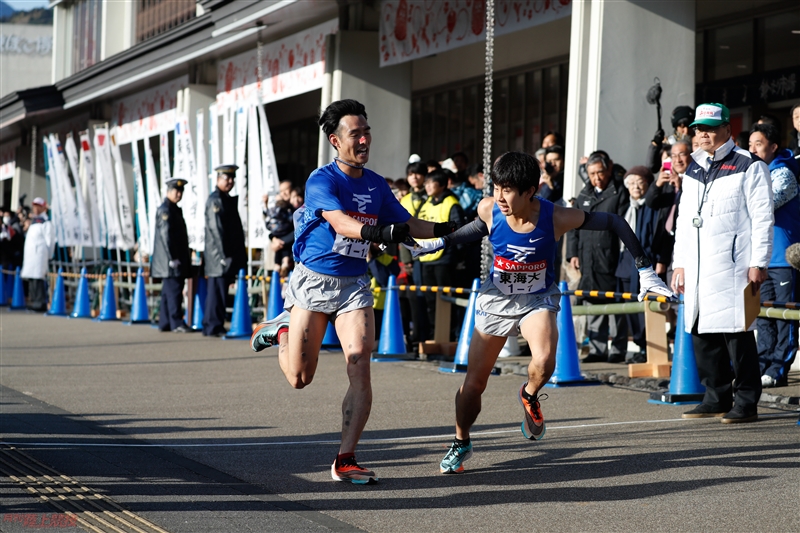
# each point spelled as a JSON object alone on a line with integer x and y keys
{"x": 711, "y": 115}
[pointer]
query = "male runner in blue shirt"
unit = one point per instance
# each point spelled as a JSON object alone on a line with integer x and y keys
{"x": 521, "y": 295}
{"x": 347, "y": 207}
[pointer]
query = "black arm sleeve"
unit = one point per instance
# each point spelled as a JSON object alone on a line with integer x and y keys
{"x": 610, "y": 221}
{"x": 468, "y": 233}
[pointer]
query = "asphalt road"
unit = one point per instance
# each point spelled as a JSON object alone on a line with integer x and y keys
{"x": 195, "y": 435}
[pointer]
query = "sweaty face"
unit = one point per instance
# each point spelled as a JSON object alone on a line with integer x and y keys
{"x": 510, "y": 200}
{"x": 352, "y": 139}
{"x": 761, "y": 146}
{"x": 598, "y": 176}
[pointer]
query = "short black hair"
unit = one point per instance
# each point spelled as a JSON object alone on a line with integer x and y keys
{"x": 518, "y": 170}
{"x": 460, "y": 154}
{"x": 474, "y": 169}
{"x": 330, "y": 118}
{"x": 439, "y": 176}
{"x": 769, "y": 131}
{"x": 558, "y": 136}
{"x": 433, "y": 163}
{"x": 766, "y": 118}
{"x": 555, "y": 149}
{"x": 417, "y": 168}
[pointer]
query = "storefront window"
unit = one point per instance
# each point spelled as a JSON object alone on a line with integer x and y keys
{"x": 524, "y": 105}
{"x": 780, "y": 40}
{"x": 730, "y": 51}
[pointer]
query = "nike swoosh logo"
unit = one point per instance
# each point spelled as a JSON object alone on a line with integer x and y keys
{"x": 372, "y": 189}
{"x": 696, "y": 170}
{"x": 534, "y": 240}
{"x": 784, "y": 283}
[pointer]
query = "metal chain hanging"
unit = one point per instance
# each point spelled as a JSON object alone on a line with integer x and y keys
{"x": 486, "y": 248}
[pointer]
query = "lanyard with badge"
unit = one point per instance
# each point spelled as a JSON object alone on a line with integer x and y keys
{"x": 697, "y": 221}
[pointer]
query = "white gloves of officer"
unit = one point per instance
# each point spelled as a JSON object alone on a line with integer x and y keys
{"x": 427, "y": 246}
{"x": 650, "y": 282}
{"x": 175, "y": 263}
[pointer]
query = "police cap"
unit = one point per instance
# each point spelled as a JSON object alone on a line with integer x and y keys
{"x": 176, "y": 183}
{"x": 229, "y": 170}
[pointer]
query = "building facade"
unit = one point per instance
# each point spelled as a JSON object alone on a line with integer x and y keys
{"x": 239, "y": 70}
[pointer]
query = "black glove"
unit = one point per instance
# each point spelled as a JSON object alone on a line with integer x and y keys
{"x": 385, "y": 234}
{"x": 440, "y": 229}
{"x": 658, "y": 138}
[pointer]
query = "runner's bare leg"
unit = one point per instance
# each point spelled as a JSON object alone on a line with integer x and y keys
{"x": 298, "y": 351}
{"x": 541, "y": 333}
{"x": 483, "y": 352}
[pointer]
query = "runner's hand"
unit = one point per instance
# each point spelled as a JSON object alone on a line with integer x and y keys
{"x": 650, "y": 282}
{"x": 424, "y": 247}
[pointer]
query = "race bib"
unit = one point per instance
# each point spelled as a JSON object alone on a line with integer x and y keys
{"x": 511, "y": 277}
{"x": 351, "y": 247}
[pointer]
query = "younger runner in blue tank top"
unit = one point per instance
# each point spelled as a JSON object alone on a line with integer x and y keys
{"x": 521, "y": 295}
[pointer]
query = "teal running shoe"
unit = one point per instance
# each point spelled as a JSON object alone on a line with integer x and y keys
{"x": 266, "y": 333}
{"x": 453, "y": 462}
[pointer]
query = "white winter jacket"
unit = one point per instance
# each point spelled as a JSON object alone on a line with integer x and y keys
{"x": 735, "y": 234}
{"x": 40, "y": 241}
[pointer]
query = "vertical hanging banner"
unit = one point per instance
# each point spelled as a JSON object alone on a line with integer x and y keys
{"x": 202, "y": 184}
{"x": 241, "y": 174}
{"x": 188, "y": 171}
{"x": 89, "y": 184}
{"x": 213, "y": 136}
{"x": 257, "y": 229}
{"x": 153, "y": 192}
{"x": 108, "y": 187}
{"x": 269, "y": 172}
{"x": 145, "y": 244}
{"x": 228, "y": 137}
{"x": 125, "y": 214}
{"x": 83, "y": 211}
{"x": 55, "y": 205}
{"x": 164, "y": 158}
{"x": 66, "y": 195}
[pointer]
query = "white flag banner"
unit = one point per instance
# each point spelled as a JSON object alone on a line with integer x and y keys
{"x": 269, "y": 167}
{"x": 228, "y": 137}
{"x": 55, "y": 205}
{"x": 89, "y": 186}
{"x": 191, "y": 200}
{"x": 145, "y": 244}
{"x": 108, "y": 187}
{"x": 153, "y": 192}
{"x": 125, "y": 214}
{"x": 213, "y": 136}
{"x": 257, "y": 229}
{"x": 164, "y": 157}
{"x": 202, "y": 184}
{"x": 241, "y": 173}
{"x": 83, "y": 212}
{"x": 66, "y": 195}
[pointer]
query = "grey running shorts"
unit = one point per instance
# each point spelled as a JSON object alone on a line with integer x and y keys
{"x": 501, "y": 315}
{"x": 327, "y": 294}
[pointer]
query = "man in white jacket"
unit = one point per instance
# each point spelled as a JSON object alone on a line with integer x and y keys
{"x": 40, "y": 241}
{"x": 723, "y": 241}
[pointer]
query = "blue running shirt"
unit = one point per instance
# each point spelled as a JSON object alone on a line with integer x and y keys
{"x": 368, "y": 199}
{"x": 523, "y": 262}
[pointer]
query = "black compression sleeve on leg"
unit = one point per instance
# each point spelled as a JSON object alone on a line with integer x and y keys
{"x": 617, "y": 224}
{"x": 468, "y": 232}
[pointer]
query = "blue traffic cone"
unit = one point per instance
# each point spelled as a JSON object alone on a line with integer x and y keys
{"x": 18, "y": 296}
{"x": 108, "y": 309}
{"x": 684, "y": 381}
{"x": 461, "y": 359}
{"x": 199, "y": 303}
{"x": 275, "y": 301}
{"x": 3, "y": 299}
{"x": 241, "y": 322}
{"x": 83, "y": 306}
{"x": 139, "y": 312}
{"x": 392, "y": 344}
{"x": 567, "y": 371}
{"x": 331, "y": 339}
{"x": 58, "y": 306}
{"x": 9, "y": 289}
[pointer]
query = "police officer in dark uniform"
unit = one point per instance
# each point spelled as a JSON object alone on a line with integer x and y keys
{"x": 225, "y": 251}
{"x": 170, "y": 260}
